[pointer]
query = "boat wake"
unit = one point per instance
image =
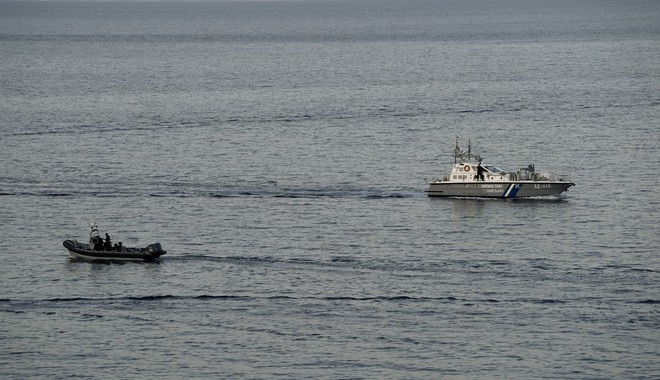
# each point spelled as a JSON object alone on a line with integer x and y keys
{"x": 177, "y": 192}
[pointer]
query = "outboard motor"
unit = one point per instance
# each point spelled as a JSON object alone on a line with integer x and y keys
{"x": 155, "y": 248}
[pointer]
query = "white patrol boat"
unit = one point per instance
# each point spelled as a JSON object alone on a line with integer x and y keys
{"x": 470, "y": 178}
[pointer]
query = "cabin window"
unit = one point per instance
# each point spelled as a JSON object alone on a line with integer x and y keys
{"x": 493, "y": 169}
{"x": 455, "y": 176}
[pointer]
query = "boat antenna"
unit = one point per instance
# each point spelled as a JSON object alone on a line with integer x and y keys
{"x": 469, "y": 149}
{"x": 457, "y": 150}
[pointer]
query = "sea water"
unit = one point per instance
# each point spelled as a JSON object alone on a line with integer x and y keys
{"x": 278, "y": 151}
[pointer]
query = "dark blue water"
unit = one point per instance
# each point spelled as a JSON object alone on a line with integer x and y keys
{"x": 278, "y": 150}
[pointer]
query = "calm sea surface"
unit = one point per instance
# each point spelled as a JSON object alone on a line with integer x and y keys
{"x": 278, "y": 151}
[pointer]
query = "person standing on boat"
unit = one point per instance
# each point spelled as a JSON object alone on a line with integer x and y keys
{"x": 108, "y": 243}
{"x": 480, "y": 172}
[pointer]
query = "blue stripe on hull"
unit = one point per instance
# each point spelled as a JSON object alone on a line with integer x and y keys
{"x": 511, "y": 190}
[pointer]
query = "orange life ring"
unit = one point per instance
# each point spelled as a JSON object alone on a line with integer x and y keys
{"x": 467, "y": 168}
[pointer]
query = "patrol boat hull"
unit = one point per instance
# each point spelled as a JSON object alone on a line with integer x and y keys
{"x": 509, "y": 189}
{"x": 83, "y": 251}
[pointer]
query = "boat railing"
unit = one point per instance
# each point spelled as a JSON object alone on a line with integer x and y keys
{"x": 549, "y": 176}
{"x": 565, "y": 177}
